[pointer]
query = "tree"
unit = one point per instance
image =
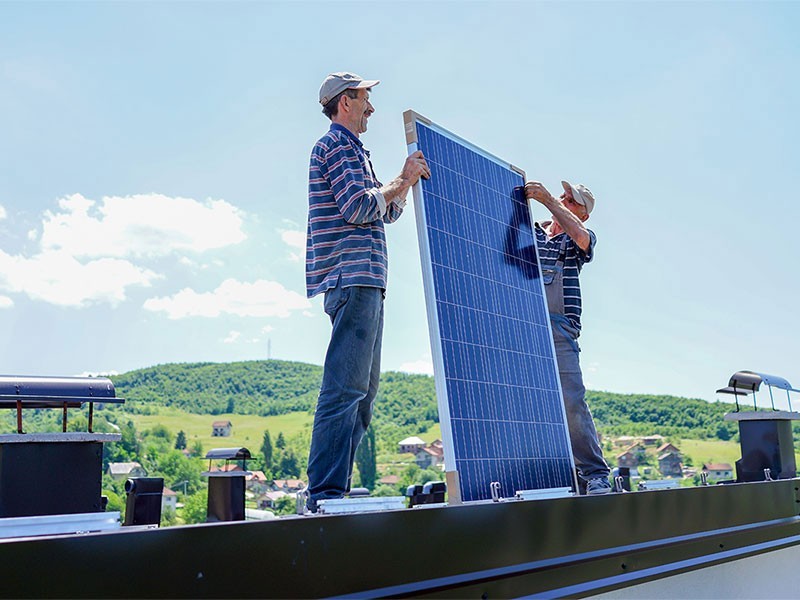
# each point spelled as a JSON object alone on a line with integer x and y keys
{"x": 289, "y": 465}
{"x": 285, "y": 505}
{"x": 266, "y": 451}
{"x": 195, "y": 509}
{"x": 180, "y": 441}
{"x": 365, "y": 459}
{"x": 197, "y": 448}
{"x": 280, "y": 442}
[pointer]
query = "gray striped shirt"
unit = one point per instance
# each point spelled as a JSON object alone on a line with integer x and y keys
{"x": 574, "y": 259}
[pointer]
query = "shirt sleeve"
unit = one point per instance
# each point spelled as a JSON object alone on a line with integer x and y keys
{"x": 357, "y": 203}
{"x": 585, "y": 257}
{"x": 394, "y": 210}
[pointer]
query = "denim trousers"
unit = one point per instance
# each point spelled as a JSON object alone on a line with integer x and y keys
{"x": 582, "y": 432}
{"x": 349, "y": 385}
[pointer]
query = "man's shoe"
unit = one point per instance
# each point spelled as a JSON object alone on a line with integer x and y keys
{"x": 597, "y": 486}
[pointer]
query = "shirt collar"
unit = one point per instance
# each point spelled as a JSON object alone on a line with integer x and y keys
{"x": 346, "y": 131}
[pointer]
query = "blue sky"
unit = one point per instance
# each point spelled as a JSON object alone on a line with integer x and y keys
{"x": 154, "y": 169}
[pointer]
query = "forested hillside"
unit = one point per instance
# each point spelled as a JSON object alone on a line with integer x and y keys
{"x": 406, "y": 403}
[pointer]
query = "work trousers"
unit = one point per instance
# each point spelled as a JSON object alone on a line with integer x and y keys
{"x": 349, "y": 386}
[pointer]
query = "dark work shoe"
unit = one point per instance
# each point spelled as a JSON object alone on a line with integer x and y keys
{"x": 597, "y": 486}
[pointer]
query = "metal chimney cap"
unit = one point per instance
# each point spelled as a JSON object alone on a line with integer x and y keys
{"x": 751, "y": 381}
{"x": 229, "y": 453}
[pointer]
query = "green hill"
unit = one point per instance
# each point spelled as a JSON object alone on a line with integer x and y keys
{"x": 406, "y": 403}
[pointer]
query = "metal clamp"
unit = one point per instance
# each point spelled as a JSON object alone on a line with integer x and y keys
{"x": 495, "y": 489}
{"x": 618, "y": 487}
{"x": 768, "y": 475}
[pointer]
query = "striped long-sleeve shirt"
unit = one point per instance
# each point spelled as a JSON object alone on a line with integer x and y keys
{"x": 346, "y": 213}
{"x": 549, "y": 251}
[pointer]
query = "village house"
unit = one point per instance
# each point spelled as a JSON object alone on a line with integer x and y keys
{"x": 651, "y": 440}
{"x": 169, "y": 499}
{"x": 427, "y": 457}
{"x": 410, "y": 445}
{"x": 631, "y": 457}
{"x": 221, "y": 428}
{"x": 718, "y": 470}
{"x": 288, "y": 486}
{"x": 389, "y": 480}
{"x": 269, "y": 499}
{"x": 669, "y": 463}
{"x": 667, "y": 448}
{"x": 257, "y": 482}
{"x": 125, "y": 470}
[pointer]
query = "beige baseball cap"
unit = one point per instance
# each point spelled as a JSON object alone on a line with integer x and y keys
{"x": 336, "y": 83}
{"x": 581, "y": 194}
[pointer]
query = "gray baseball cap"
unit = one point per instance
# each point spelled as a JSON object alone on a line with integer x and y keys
{"x": 581, "y": 194}
{"x": 336, "y": 83}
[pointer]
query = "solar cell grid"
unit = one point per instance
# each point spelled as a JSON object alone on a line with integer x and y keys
{"x": 497, "y": 384}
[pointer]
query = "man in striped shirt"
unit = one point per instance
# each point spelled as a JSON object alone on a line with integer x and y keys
{"x": 346, "y": 260}
{"x": 565, "y": 245}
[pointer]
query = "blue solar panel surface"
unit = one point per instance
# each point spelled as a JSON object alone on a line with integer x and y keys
{"x": 506, "y": 419}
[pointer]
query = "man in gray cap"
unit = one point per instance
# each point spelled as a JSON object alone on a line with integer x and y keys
{"x": 565, "y": 245}
{"x": 346, "y": 260}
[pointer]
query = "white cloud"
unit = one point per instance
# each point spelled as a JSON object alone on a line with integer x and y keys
{"x": 3, "y": 213}
{"x": 33, "y": 235}
{"x": 261, "y": 298}
{"x": 423, "y": 366}
{"x": 232, "y": 337}
{"x": 6, "y": 302}
{"x": 140, "y": 225}
{"x": 295, "y": 240}
{"x": 267, "y": 329}
{"x": 58, "y": 278}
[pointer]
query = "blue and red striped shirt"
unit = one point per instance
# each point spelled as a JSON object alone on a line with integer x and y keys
{"x": 346, "y": 213}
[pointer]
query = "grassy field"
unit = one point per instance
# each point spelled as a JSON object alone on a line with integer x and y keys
{"x": 710, "y": 451}
{"x": 247, "y": 431}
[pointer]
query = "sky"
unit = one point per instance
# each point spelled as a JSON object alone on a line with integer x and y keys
{"x": 154, "y": 156}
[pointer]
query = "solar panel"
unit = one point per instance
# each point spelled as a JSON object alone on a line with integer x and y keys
{"x": 497, "y": 385}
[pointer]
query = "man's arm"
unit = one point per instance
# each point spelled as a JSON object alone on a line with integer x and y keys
{"x": 571, "y": 224}
{"x": 358, "y": 204}
{"x": 414, "y": 168}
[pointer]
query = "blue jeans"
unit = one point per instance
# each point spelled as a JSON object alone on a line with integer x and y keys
{"x": 582, "y": 432}
{"x": 349, "y": 385}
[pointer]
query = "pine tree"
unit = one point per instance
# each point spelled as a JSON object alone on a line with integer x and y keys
{"x": 266, "y": 451}
{"x": 366, "y": 461}
{"x": 280, "y": 442}
{"x": 180, "y": 440}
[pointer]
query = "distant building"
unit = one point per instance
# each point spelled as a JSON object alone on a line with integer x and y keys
{"x": 169, "y": 499}
{"x": 288, "y": 485}
{"x": 410, "y": 445}
{"x": 221, "y": 428}
{"x": 389, "y": 480}
{"x": 651, "y": 440}
{"x": 631, "y": 456}
{"x": 667, "y": 448}
{"x": 669, "y": 463}
{"x": 268, "y": 499}
{"x": 125, "y": 470}
{"x": 718, "y": 470}
{"x": 432, "y": 456}
{"x": 257, "y": 482}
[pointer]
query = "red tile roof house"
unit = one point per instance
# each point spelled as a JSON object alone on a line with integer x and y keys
{"x": 718, "y": 470}
{"x": 289, "y": 485}
{"x": 429, "y": 457}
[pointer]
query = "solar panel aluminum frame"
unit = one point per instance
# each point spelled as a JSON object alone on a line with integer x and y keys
{"x": 410, "y": 119}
